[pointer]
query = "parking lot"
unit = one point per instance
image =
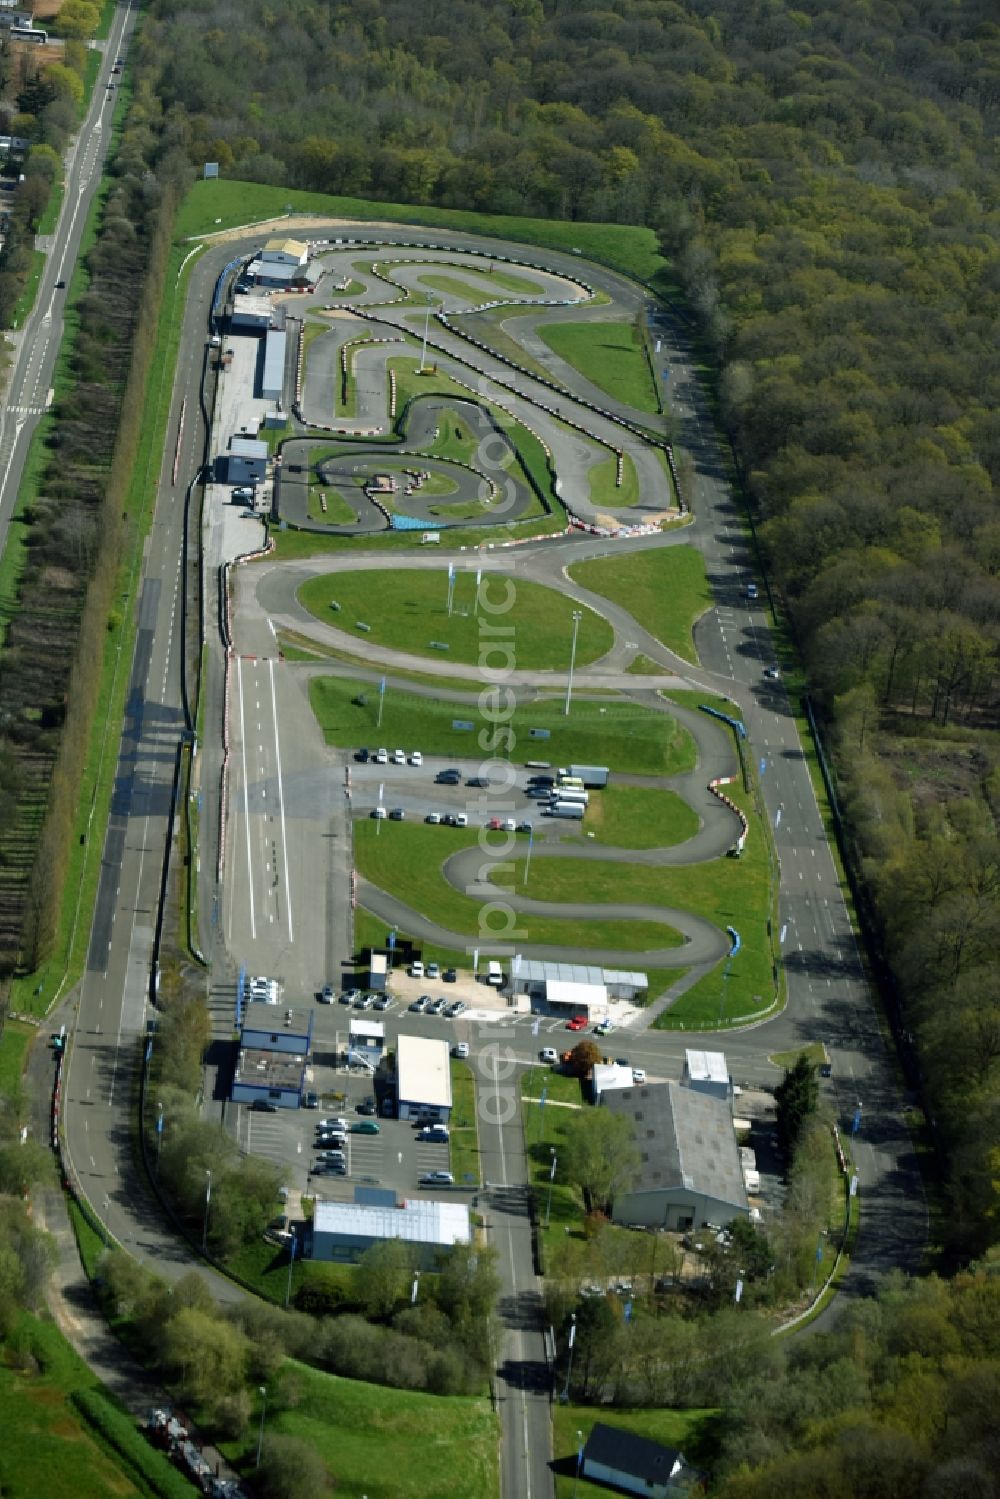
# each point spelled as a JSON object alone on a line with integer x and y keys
{"x": 417, "y": 792}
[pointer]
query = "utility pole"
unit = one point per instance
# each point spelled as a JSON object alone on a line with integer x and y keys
{"x": 577, "y": 616}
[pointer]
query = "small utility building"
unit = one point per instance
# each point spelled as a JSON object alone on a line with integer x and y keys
{"x": 423, "y": 1078}
{"x": 272, "y": 380}
{"x": 623, "y": 1461}
{"x": 250, "y": 314}
{"x": 689, "y": 1166}
{"x": 291, "y": 252}
{"x": 366, "y": 1042}
{"x": 707, "y": 1072}
{"x": 582, "y": 988}
{"x": 246, "y": 461}
{"x": 610, "y": 1075}
{"x": 344, "y": 1230}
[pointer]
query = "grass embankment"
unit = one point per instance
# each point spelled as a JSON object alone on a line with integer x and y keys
{"x": 464, "y": 1142}
{"x": 481, "y": 285}
{"x": 610, "y": 355}
{"x": 406, "y": 859}
{"x": 605, "y": 493}
{"x": 665, "y": 591}
{"x": 226, "y": 203}
{"x": 14, "y": 1045}
{"x": 728, "y": 892}
{"x": 393, "y": 1444}
{"x": 64, "y": 1434}
{"x": 635, "y": 817}
{"x": 620, "y": 734}
{"x": 684, "y": 1430}
{"x": 406, "y": 610}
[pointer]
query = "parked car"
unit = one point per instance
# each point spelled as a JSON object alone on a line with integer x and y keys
{"x": 456, "y": 1008}
{"x": 604, "y": 1029}
{"x": 524, "y": 827}
{"x": 416, "y": 969}
{"x": 326, "y": 994}
{"x": 384, "y": 1002}
{"x": 638, "y": 1074}
{"x": 381, "y": 757}
{"x": 330, "y": 1140}
{"x": 378, "y": 812}
{"x": 772, "y": 673}
{"x": 364, "y": 1001}
{"x": 261, "y": 1106}
{"x": 478, "y": 781}
{"x": 365, "y": 1126}
{"x": 330, "y": 1168}
{"x": 311, "y": 1100}
{"x": 434, "y": 1131}
{"x": 418, "y": 1005}
{"x": 349, "y": 996}
{"x": 622, "y": 1062}
{"x": 826, "y": 1069}
{"x": 434, "y": 817}
{"x": 367, "y": 1107}
{"x": 448, "y": 777}
{"x": 578, "y": 1023}
{"x": 436, "y": 1006}
{"x": 450, "y": 976}
{"x": 437, "y": 1179}
{"x": 548, "y": 1054}
{"x": 398, "y": 757}
{"x": 416, "y": 758}
{"x": 433, "y": 970}
{"x": 460, "y": 1049}
{"x": 330, "y": 1155}
{"x": 362, "y": 756}
{"x": 397, "y": 814}
{"x": 334, "y": 1123}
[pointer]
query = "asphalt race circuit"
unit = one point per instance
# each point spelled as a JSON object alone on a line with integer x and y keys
{"x": 283, "y": 902}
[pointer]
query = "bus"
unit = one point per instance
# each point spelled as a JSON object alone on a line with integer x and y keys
{"x": 28, "y": 34}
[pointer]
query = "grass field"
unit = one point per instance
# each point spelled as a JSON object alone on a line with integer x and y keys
{"x": 46, "y": 1445}
{"x": 665, "y": 591}
{"x": 14, "y": 1045}
{"x": 610, "y": 355}
{"x": 225, "y": 203}
{"x": 464, "y": 1142}
{"x": 560, "y": 1211}
{"x": 483, "y": 284}
{"x": 620, "y": 734}
{"x": 394, "y": 1444}
{"x": 729, "y": 892}
{"x": 337, "y": 513}
{"x": 604, "y": 492}
{"x": 406, "y": 610}
{"x": 635, "y": 817}
{"x": 370, "y": 931}
{"x": 681, "y": 1429}
{"x": 406, "y": 859}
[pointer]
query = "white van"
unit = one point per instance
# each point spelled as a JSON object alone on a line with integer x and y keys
{"x": 494, "y": 974}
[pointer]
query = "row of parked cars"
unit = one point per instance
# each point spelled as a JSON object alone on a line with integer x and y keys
{"x": 425, "y": 1005}
{"x": 384, "y": 757}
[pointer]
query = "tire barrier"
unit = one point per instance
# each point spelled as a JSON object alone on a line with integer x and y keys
{"x": 727, "y": 801}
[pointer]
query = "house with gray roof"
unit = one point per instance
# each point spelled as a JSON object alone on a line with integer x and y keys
{"x": 689, "y": 1169}
{"x": 620, "y": 1459}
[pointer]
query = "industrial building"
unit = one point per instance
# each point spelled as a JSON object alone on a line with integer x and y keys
{"x": 707, "y": 1072}
{"x": 344, "y": 1230}
{"x": 689, "y": 1167}
{"x": 272, "y": 380}
{"x": 250, "y": 314}
{"x": 246, "y": 461}
{"x": 272, "y": 1059}
{"x": 423, "y": 1078}
{"x": 577, "y": 988}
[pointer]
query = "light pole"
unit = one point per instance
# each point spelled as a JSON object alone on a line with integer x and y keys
{"x": 291, "y": 1262}
{"x": 415, "y": 1287}
{"x": 208, "y": 1199}
{"x": 577, "y": 616}
{"x": 579, "y": 1460}
{"x": 569, "y": 1366}
{"x": 263, "y": 1413}
{"x": 552, "y": 1175}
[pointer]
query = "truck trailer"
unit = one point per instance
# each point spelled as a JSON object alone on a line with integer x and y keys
{"x": 594, "y": 776}
{"x": 571, "y": 794}
{"x": 573, "y": 810}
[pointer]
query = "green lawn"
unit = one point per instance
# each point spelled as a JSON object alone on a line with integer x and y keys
{"x": 610, "y": 355}
{"x": 665, "y": 590}
{"x": 46, "y": 1444}
{"x": 464, "y": 1143}
{"x": 604, "y": 492}
{"x": 815, "y": 1051}
{"x": 370, "y": 931}
{"x": 636, "y": 817}
{"x": 623, "y": 735}
{"x": 560, "y": 1212}
{"x": 407, "y": 610}
{"x": 698, "y": 700}
{"x": 405, "y": 860}
{"x": 483, "y": 284}
{"x": 729, "y": 892}
{"x": 683, "y": 1429}
{"x": 337, "y": 513}
{"x": 226, "y": 203}
{"x": 394, "y": 1444}
{"x": 14, "y": 1045}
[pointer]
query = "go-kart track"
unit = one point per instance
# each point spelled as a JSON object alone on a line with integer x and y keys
{"x": 421, "y": 394}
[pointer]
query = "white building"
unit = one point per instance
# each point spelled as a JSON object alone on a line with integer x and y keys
{"x": 423, "y": 1078}
{"x": 344, "y": 1230}
{"x": 707, "y": 1072}
{"x": 366, "y": 1042}
{"x": 610, "y": 1075}
{"x": 582, "y": 988}
{"x": 279, "y": 251}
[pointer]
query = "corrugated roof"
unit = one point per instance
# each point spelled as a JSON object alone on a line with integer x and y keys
{"x": 418, "y": 1222}
{"x": 539, "y": 971}
{"x": 275, "y": 343}
{"x": 423, "y": 1071}
{"x": 565, "y": 992}
{"x": 685, "y": 1139}
{"x": 368, "y": 1030}
{"x": 248, "y": 447}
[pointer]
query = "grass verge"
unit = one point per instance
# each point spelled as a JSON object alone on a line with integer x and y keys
{"x": 406, "y": 610}
{"x": 624, "y": 735}
{"x": 464, "y": 1142}
{"x": 609, "y": 355}
{"x": 634, "y": 817}
{"x": 665, "y": 590}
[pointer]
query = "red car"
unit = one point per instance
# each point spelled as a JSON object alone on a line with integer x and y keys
{"x": 578, "y": 1023}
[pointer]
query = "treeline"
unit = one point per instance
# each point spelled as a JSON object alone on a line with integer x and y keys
{"x": 75, "y": 535}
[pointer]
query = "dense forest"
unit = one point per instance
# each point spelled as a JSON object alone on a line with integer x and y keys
{"x": 824, "y": 180}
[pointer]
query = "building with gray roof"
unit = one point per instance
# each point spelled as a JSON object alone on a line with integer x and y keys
{"x": 344, "y": 1230}
{"x": 689, "y": 1167}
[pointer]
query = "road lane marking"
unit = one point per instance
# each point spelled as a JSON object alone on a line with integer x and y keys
{"x": 246, "y": 797}
{"x": 281, "y": 803}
